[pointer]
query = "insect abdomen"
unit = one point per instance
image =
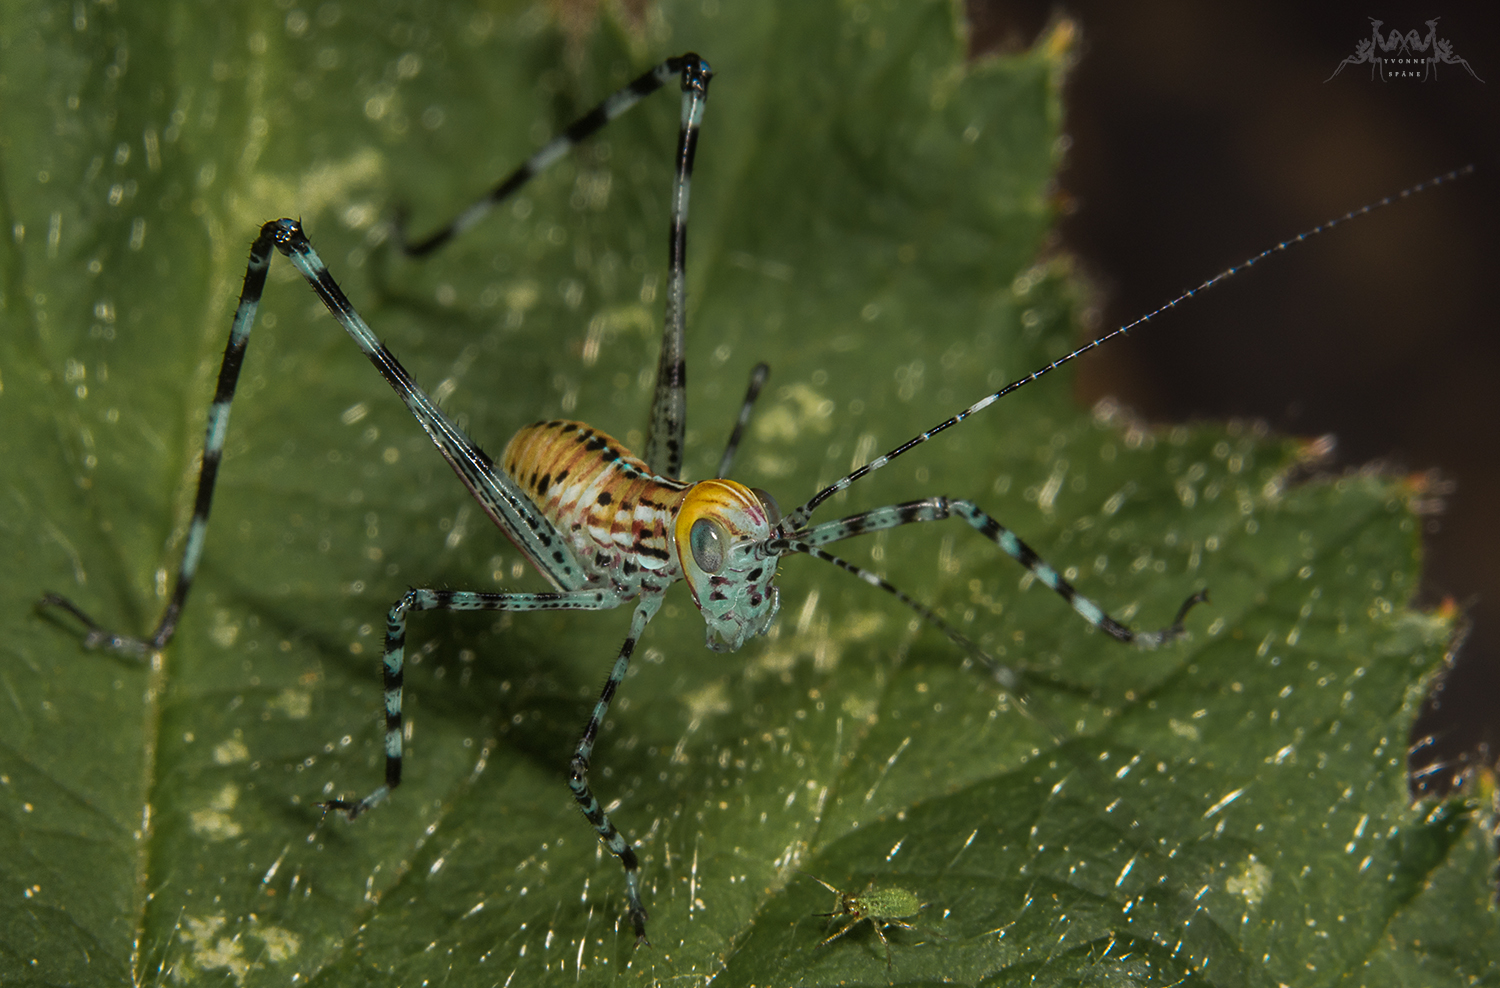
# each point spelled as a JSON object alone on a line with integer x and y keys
{"x": 614, "y": 513}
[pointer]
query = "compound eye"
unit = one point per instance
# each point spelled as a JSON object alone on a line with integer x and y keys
{"x": 709, "y": 543}
{"x": 772, "y": 509}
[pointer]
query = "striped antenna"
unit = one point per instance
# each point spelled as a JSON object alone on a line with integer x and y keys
{"x": 797, "y": 520}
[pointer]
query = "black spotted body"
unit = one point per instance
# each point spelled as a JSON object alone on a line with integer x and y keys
{"x": 608, "y": 507}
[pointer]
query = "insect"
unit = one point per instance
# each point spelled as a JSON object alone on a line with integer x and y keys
{"x": 882, "y": 907}
{"x": 604, "y": 527}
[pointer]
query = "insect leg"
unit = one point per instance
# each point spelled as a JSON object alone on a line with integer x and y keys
{"x": 880, "y": 933}
{"x": 848, "y": 926}
{"x": 1003, "y": 675}
{"x": 208, "y": 472}
{"x": 881, "y": 926}
{"x": 393, "y": 663}
{"x": 758, "y": 376}
{"x": 939, "y": 508}
{"x": 663, "y": 452}
{"x": 501, "y": 499}
{"x": 576, "y": 133}
{"x": 578, "y": 771}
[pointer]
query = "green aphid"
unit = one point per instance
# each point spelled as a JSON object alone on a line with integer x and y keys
{"x": 883, "y": 907}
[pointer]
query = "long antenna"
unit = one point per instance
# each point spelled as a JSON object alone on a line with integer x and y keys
{"x": 798, "y": 518}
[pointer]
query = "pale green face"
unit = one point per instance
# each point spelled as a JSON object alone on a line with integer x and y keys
{"x": 721, "y": 528}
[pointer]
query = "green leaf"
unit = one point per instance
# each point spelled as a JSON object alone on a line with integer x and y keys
{"x": 868, "y": 212}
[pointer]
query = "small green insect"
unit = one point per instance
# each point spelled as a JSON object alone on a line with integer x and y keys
{"x": 883, "y": 907}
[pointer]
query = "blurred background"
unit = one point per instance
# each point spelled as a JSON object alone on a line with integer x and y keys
{"x": 1202, "y": 134}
